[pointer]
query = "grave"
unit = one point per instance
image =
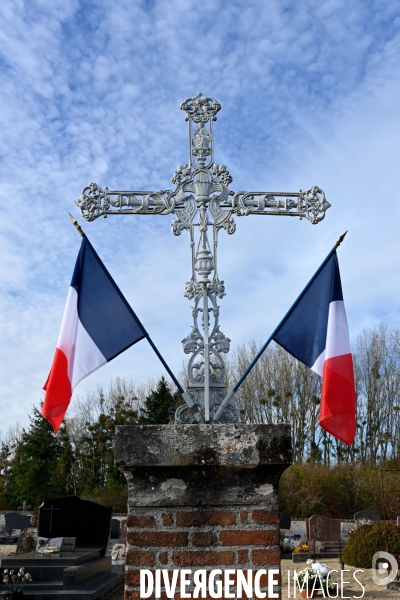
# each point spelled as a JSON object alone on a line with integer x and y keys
{"x": 115, "y": 531}
{"x": 14, "y": 523}
{"x": 323, "y": 528}
{"x": 325, "y": 536}
{"x": 366, "y": 516}
{"x": 285, "y": 521}
{"x": 84, "y": 572}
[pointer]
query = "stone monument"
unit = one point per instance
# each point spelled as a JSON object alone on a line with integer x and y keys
{"x": 82, "y": 572}
{"x": 202, "y": 497}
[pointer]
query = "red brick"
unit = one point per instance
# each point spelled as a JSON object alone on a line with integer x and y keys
{"x": 163, "y": 558}
{"x": 156, "y": 538}
{"x": 134, "y": 521}
{"x": 132, "y": 578}
{"x": 140, "y": 558}
{"x": 135, "y": 595}
{"x": 202, "y": 539}
{"x": 242, "y": 557}
{"x": 264, "y": 516}
{"x": 202, "y": 559}
{"x": 167, "y": 520}
{"x": 266, "y": 557}
{"x": 249, "y": 538}
{"x": 196, "y": 519}
{"x": 243, "y": 516}
{"x": 131, "y": 595}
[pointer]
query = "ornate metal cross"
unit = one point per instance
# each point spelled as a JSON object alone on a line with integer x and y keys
{"x": 202, "y": 193}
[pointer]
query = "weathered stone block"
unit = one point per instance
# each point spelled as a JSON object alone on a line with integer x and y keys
{"x": 202, "y": 496}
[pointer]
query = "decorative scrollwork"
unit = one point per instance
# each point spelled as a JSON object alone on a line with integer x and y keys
{"x": 313, "y": 204}
{"x": 230, "y": 414}
{"x": 221, "y": 342}
{"x": 217, "y": 287}
{"x": 202, "y": 192}
{"x": 192, "y": 342}
{"x": 184, "y": 415}
{"x": 200, "y": 109}
{"x": 182, "y": 171}
{"x": 221, "y": 172}
{"x": 93, "y": 201}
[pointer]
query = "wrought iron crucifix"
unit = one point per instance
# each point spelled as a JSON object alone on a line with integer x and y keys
{"x": 202, "y": 199}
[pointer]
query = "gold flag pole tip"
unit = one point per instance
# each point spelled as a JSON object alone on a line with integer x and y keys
{"x": 75, "y": 222}
{"x": 340, "y": 240}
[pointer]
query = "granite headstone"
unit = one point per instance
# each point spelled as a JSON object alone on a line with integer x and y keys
{"x": 323, "y": 528}
{"x": 16, "y": 521}
{"x": 115, "y": 529}
{"x": 87, "y": 521}
{"x": 285, "y": 521}
{"x": 363, "y": 517}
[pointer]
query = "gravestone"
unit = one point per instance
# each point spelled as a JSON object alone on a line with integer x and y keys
{"x": 363, "y": 517}
{"x": 12, "y": 523}
{"x": 285, "y": 521}
{"x": 88, "y": 521}
{"x": 83, "y": 572}
{"x": 16, "y": 521}
{"x": 115, "y": 529}
{"x": 323, "y": 528}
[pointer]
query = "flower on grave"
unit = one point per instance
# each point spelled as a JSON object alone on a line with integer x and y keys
{"x": 311, "y": 578}
{"x": 15, "y": 582}
{"x": 302, "y": 548}
{"x": 350, "y": 531}
{"x": 321, "y": 568}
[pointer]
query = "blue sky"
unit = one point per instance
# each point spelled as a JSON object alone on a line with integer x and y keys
{"x": 90, "y": 91}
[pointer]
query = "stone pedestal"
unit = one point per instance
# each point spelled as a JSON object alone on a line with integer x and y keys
{"x": 202, "y": 497}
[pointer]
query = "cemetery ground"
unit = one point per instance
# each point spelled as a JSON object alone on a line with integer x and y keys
{"x": 351, "y": 589}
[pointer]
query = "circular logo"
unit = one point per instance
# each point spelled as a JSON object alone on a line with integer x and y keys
{"x": 380, "y": 568}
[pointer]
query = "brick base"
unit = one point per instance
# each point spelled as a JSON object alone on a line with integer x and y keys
{"x": 206, "y": 513}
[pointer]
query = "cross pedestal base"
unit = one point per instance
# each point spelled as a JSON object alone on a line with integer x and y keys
{"x": 202, "y": 497}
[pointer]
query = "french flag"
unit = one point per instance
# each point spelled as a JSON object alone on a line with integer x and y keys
{"x": 315, "y": 332}
{"x": 98, "y": 324}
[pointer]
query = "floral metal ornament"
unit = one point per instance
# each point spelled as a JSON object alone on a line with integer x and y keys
{"x": 203, "y": 204}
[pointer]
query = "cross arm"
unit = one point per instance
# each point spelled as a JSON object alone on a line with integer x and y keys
{"x": 95, "y": 202}
{"x": 310, "y": 204}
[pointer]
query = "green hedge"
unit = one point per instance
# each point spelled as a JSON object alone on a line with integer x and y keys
{"x": 368, "y": 539}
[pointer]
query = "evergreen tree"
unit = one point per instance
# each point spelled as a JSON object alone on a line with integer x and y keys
{"x": 35, "y": 472}
{"x": 159, "y": 405}
{"x": 95, "y": 454}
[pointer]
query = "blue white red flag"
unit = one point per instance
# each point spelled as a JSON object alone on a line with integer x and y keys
{"x": 98, "y": 324}
{"x": 315, "y": 332}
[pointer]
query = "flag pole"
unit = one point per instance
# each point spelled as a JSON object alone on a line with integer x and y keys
{"x": 184, "y": 394}
{"x": 233, "y": 391}
{"x": 75, "y": 222}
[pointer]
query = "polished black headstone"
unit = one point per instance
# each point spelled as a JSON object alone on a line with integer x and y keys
{"x": 366, "y": 516}
{"x": 285, "y": 521}
{"x": 88, "y": 521}
{"x": 16, "y": 521}
{"x": 115, "y": 529}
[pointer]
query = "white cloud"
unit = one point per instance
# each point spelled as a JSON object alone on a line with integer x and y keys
{"x": 309, "y": 95}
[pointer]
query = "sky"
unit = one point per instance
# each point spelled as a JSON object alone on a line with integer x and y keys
{"x": 90, "y": 92}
